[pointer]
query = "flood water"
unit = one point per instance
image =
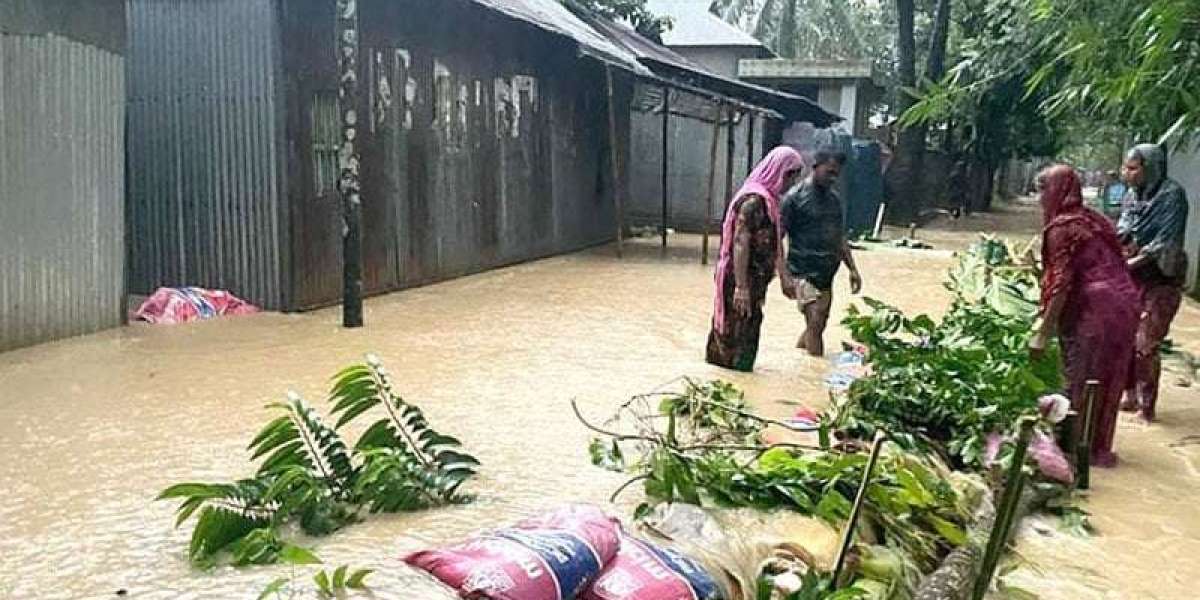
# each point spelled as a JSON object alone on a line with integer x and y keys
{"x": 91, "y": 429}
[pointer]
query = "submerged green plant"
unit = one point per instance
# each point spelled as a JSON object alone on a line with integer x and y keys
{"x": 310, "y": 478}
{"x": 911, "y": 505}
{"x": 945, "y": 386}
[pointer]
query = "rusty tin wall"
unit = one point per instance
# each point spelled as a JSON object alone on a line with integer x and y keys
{"x": 484, "y": 143}
{"x": 61, "y": 185}
{"x": 206, "y": 147}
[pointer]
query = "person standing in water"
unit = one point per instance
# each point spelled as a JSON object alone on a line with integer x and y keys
{"x": 748, "y": 260}
{"x": 1153, "y": 228}
{"x": 817, "y": 246}
{"x": 1088, "y": 299}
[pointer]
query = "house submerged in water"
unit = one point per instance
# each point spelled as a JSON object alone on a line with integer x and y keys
{"x": 62, "y": 173}
{"x": 486, "y": 141}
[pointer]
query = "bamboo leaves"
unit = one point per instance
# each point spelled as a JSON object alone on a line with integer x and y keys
{"x": 308, "y": 476}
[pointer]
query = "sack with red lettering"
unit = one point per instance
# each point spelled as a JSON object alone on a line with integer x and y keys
{"x": 644, "y": 571}
{"x": 552, "y": 557}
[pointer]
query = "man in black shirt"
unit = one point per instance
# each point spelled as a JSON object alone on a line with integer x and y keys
{"x": 811, "y": 216}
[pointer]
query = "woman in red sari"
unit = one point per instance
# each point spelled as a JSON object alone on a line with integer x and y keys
{"x": 1089, "y": 299}
{"x": 749, "y": 259}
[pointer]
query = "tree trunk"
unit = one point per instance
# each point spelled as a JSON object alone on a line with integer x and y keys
{"x": 905, "y": 203}
{"x": 935, "y": 66}
{"x": 787, "y": 30}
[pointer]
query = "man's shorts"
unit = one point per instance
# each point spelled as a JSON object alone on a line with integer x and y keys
{"x": 807, "y": 293}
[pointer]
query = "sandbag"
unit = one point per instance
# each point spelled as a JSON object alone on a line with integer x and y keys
{"x": 552, "y": 557}
{"x": 733, "y": 545}
{"x": 646, "y": 571}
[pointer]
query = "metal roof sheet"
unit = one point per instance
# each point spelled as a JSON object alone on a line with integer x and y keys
{"x": 693, "y": 25}
{"x": 551, "y": 16}
{"x": 670, "y": 65}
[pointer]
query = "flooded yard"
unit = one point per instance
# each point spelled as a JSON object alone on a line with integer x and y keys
{"x": 91, "y": 429}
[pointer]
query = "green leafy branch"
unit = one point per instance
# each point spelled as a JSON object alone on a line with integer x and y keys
{"x": 309, "y": 477}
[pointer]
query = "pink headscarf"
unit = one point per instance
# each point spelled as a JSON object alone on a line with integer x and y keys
{"x": 766, "y": 181}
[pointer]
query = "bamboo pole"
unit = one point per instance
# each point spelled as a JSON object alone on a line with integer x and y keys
{"x": 615, "y": 154}
{"x": 712, "y": 181}
{"x": 666, "y": 157}
{"x": 856, "y": 511}
{"x": 749, "y": 143}
{"x": 730, "y": 147}
{"x": 1083, "y": 444}
{"x": 1014, "y": 484}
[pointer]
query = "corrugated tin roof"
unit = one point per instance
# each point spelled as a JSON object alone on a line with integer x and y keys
{"x": 695, "y": 26}
{"x": 672, "y": 66}
{"x": 551, "y": 16}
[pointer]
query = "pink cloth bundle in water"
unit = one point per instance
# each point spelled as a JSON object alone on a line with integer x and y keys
{"x": 552, "y": 557}
{"x": 170, "y": 306}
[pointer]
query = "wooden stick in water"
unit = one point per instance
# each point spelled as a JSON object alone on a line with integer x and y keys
{"x": 1083, "y": 444}
{"x": 615, "y": 158}
{"x": 856, "y": 511}
{"x": 712, "y": 181}
{"x": 1014, "y": 484}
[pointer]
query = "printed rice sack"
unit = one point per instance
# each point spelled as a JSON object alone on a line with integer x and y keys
{"x": 552, "y": 557}
{"x": 644, "y": 571}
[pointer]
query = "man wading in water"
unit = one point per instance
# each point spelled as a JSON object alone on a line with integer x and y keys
{"x": 817, "y": 246}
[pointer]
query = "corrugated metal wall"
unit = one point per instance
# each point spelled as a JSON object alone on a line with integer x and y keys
{"x": 205, "y": 148}
{"x": 62, "y": 185}
{"x": 484, "y": 144}
{"x": 689, "y": 149}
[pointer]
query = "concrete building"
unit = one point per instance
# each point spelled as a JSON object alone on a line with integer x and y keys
{"x": 704, "y": 38}
{"x": 843, "y": 87}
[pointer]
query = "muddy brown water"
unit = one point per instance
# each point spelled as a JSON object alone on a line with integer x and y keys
{"x": 92, "y": 428}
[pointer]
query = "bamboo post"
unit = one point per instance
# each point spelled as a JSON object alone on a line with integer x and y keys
{"x": 712, "y": 181}
{"x": 349, "y": 184}
{"x": 749, "y": 143}
{"x": 1083, "y": 444}
{"x": 615, "y": 159}
{"x": 730, "y": 147}
{"x": 1014, "y": 484}
{"x": 856, "y": 510}
{"x": 666, "y": 149}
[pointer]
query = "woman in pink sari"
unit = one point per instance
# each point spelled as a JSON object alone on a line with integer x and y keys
{"x": 1089, "y": 299}
{"x": 749, "y": 259}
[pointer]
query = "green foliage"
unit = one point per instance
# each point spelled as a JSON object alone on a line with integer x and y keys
{"x": 308, "y": 477}
{"x": 328, "y": 584}
{"x": 1132, "y": 63}
{"x": 945, "y": 386}
{"x": 715, "y": 406}
{"x": 400, "y": 449}
{"x": 910, "y": 504}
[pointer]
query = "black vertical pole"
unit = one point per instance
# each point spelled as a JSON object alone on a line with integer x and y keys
{"x": 712, "y": 180}
{"x": 615, "y": 160}
{"x": 730, "y": 146}
{"x": 749, "y": 142}
{"x": 348, "y": 162}
{"x": 666, "y": 159}
{"x": 1083, "y": 443}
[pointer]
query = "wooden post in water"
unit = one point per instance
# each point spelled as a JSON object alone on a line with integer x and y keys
{"x": 1083, "y": 444}
{"x": 1006, "y": 513}
{"x": 749, "y": 143}
{"x": 666, "y": 158}
{"x": 712, "y": 180}
{"x": 349, "y": 184}
{"x": 730, "y": 147}
{"x": 615, "y": 159}
{"x": 856, "y": 510}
